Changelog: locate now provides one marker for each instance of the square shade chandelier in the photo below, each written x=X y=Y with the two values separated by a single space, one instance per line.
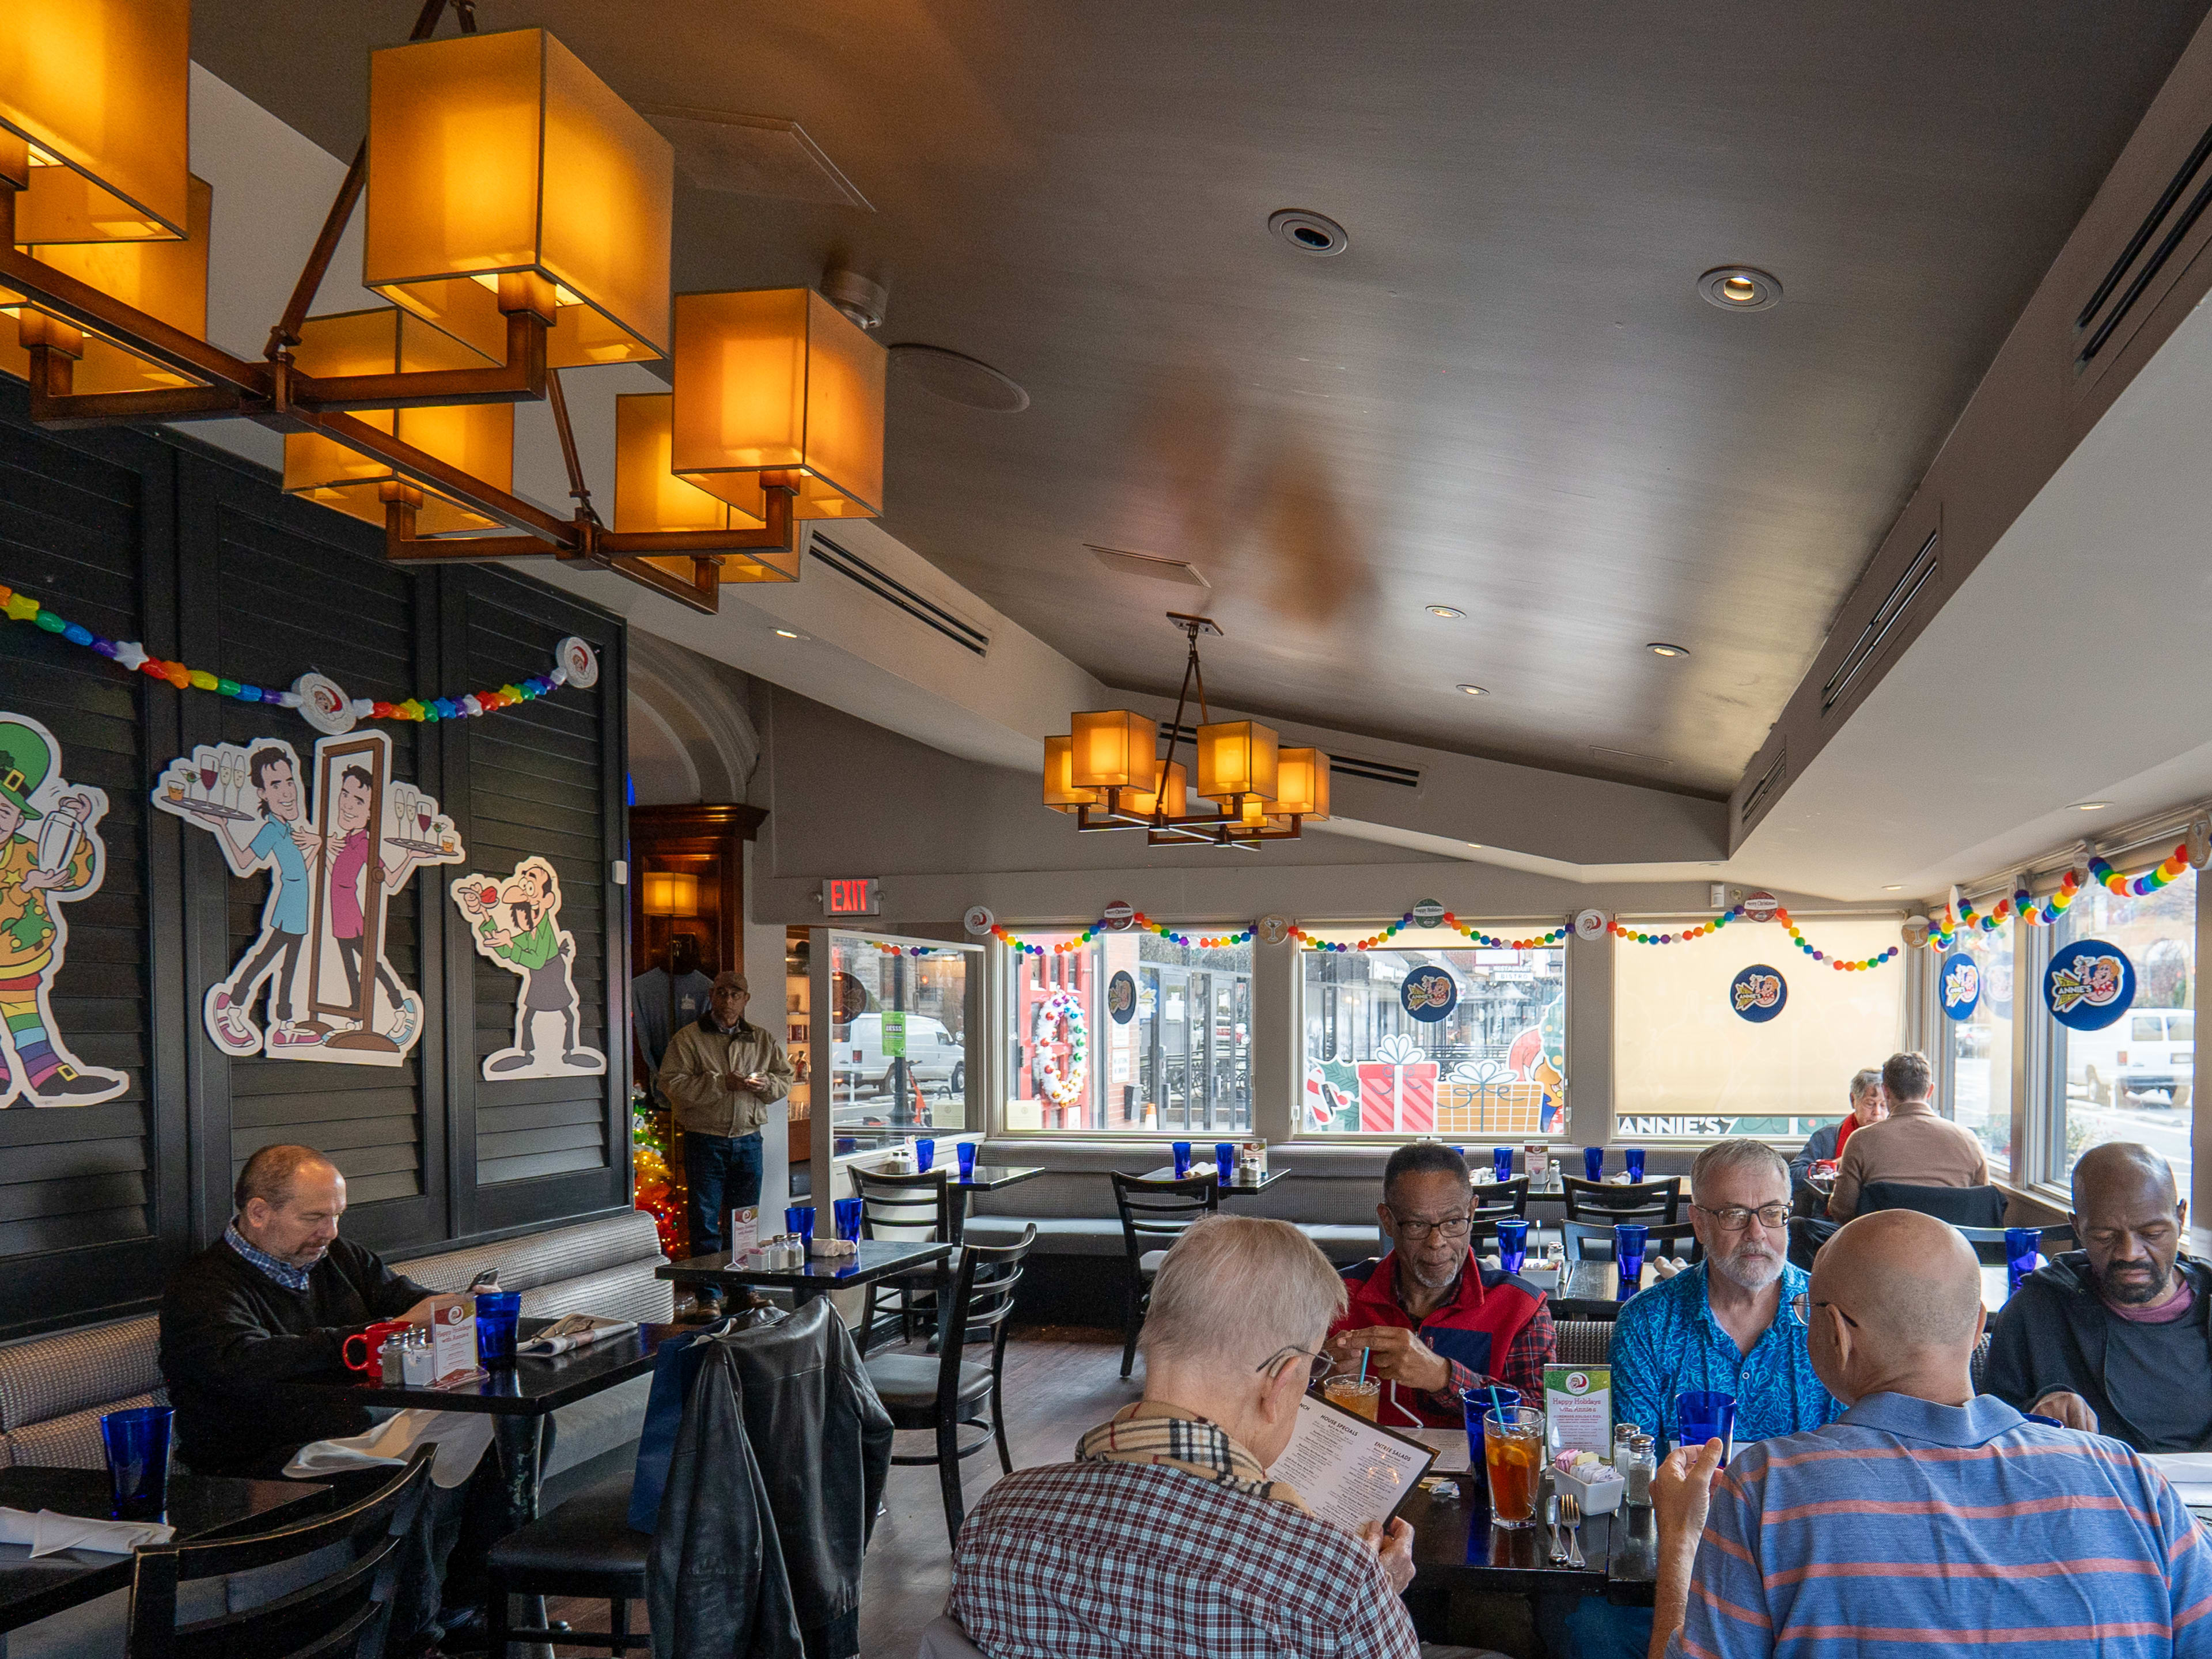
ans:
x=517 y=220
x=1106 y=772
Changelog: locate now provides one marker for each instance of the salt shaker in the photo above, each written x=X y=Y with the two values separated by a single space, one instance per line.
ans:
x=418 y=1364
x=1624 y=1435
x=390 y=1360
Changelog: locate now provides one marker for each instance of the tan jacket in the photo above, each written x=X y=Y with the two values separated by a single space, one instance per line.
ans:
x=1911 y=1145
x=699 y=1056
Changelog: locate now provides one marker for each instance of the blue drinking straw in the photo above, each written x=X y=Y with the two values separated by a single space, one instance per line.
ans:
x=1363 y=1352
x=1498 y=1407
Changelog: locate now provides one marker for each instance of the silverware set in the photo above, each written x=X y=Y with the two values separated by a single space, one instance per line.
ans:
x=1562 y=1510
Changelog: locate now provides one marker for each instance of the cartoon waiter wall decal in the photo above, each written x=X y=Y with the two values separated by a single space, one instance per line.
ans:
x=515 y=923
x=50 y=854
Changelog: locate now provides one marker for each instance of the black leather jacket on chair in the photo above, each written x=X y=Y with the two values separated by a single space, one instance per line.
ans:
x=773 y=1489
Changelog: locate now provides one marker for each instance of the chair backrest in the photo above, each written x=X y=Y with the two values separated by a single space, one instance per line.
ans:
x=1156 y=1213
x=1502 y=1198
x=340 y=1617
x=1581 y=1342
x=1657 y=1200
x=983 y=1308
x=1962 y=1206
x=1989 y=1242
x=913 y=1207
x=942 y=1638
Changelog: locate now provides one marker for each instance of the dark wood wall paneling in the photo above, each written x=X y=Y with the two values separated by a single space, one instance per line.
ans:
x=150 y=537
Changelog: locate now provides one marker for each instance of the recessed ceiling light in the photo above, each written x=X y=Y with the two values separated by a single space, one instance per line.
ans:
x=1309 y=232
x=1476 y=690
x=1740 y=287
x=1661 y=648
x=787 y=633
x=1476 y=845
x=1447 y=612
x=1897 y=889
x=2091 y=805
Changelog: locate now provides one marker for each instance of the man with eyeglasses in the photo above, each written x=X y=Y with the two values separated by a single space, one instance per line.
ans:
x=1431 y=1319
x=1725 y=1324
x=1927 y=1518
x=1167 y=1535
x=2113 y=1338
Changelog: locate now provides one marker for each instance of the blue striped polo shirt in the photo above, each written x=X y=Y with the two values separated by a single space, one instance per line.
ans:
x=1905 y=1526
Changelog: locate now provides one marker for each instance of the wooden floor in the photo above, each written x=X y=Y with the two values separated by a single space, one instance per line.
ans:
x=1059 y=1382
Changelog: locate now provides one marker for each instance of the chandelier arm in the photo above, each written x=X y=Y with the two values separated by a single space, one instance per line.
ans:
x=578 y=491
x=520 y=378
x=702 y=592
x=778 y=535
x=428 y=470
x=285 y=333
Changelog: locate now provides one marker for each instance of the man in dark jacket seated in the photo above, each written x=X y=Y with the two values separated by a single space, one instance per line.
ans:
x=2113 y=1338
x=274 y=1299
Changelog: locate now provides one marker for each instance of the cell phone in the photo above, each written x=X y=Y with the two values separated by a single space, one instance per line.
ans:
x=486 y=1280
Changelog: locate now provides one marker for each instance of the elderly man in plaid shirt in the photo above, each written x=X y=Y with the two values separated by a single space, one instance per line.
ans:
x=1165 y=1537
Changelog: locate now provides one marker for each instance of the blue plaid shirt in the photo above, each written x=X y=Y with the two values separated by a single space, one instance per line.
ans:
x=291 y=1278
x=1667 y=1340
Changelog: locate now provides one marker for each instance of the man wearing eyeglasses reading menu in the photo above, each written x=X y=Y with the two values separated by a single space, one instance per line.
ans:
x=1432 y=1319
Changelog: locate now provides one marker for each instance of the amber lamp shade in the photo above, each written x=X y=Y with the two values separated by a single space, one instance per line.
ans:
x=774 y=387
x=1237 y=758
x=1300 y=783
x=168 y=280
x=1172 y=792
x=1060 y=793
x=503 y=175
x=670 y=893
x=477 y=438
x=1115 y=749
x=93 y=119
x=649 y=498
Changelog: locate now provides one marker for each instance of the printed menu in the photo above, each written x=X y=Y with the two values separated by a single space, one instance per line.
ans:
x=1349 y=1470
x=1578 y=1408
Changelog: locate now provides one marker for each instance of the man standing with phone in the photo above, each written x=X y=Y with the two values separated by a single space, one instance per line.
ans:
x=721 y=1075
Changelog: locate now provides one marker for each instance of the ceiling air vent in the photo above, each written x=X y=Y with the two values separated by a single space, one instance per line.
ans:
x=1148 y=564
x=889 y=589
x=2148 y=252
x=1340 y=766
x=1763 y=792
x=1883 y=623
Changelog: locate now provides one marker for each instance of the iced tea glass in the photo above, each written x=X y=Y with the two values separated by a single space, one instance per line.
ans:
x=1513 y=1454
x=1361 y=1396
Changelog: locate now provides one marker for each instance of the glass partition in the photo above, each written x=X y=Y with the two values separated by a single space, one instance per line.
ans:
x=897 y=1064
x=1446 y=1038
x=1979 y=1048
x=1688 y=1067
x=1128 y=1034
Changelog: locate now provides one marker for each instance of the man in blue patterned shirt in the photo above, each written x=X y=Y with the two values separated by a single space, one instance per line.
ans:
x=1726 y=1325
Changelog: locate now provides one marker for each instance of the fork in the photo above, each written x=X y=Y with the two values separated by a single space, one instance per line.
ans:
x=1571 y=1516
x=1551 y=1519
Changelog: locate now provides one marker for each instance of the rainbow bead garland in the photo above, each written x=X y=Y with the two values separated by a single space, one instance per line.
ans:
x=2043 y=913
x=1841 y=965
x=908 y=950
x=131 y=655
x=1139 y=920
x=1488 y=941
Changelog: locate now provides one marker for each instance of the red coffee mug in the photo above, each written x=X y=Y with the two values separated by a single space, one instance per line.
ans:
x=372 y=1339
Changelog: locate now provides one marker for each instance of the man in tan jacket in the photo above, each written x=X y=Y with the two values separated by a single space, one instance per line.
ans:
x=721 y=1075
x=1911 y=1145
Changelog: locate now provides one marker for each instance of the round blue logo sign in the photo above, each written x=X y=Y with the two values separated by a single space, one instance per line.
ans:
x=2088 y=984
x=1961 y=985
x=1121 y=997
x=1428 y=994
x=1758 y=992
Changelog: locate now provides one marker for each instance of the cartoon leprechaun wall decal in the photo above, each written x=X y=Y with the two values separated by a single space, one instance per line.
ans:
x=50 y=854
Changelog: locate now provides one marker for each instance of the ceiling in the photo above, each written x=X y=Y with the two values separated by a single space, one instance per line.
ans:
x=1506 y=396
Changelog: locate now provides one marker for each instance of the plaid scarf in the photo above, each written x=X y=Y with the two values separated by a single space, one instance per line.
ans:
x=1170 y=1436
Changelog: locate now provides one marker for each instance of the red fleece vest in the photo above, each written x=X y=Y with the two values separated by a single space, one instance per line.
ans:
x=1476 y=1328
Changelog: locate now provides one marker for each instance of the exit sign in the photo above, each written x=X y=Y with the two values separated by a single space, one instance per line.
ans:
x=849 y=896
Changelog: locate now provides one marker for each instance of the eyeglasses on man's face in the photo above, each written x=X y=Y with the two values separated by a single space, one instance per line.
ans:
x=1802 y=1304
x=1318 y=1365
x=1734 y=1218
x=1414 y=1230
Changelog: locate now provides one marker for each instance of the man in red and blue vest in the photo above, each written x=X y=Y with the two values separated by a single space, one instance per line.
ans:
x=1433 y=1318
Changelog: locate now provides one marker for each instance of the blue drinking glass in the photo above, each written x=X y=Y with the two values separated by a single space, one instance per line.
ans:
x=497 y=1311
x=1628 y=1238
x=1474 y=1404
x=1593 y=1163
x=1224 y=1162
x=800 y=1218
x=1181 y=1149
x=967 y=1152
x=1702 y=1414
x=1501 y=1163
x=2022 y=1244
x=925 y=1154
x=138 y=1445
x=847 y=1213
x=1634 y=1159
x=1512 y=1244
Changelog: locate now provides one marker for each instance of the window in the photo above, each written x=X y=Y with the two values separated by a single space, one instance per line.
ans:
x=2134 y=1079
x=1129 y=1034
x=898 y=1050
x=1380 y=1060
x=1687 y=1067
x=1979 y=1048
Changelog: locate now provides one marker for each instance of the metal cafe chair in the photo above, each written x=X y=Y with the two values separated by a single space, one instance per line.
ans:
x=1497 y=1199
x=1657 y=1201
x=1154 y=1214
x=911 y=1208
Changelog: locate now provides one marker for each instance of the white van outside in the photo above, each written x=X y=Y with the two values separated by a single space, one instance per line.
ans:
x=2148 y=1057
x=932 y=1054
